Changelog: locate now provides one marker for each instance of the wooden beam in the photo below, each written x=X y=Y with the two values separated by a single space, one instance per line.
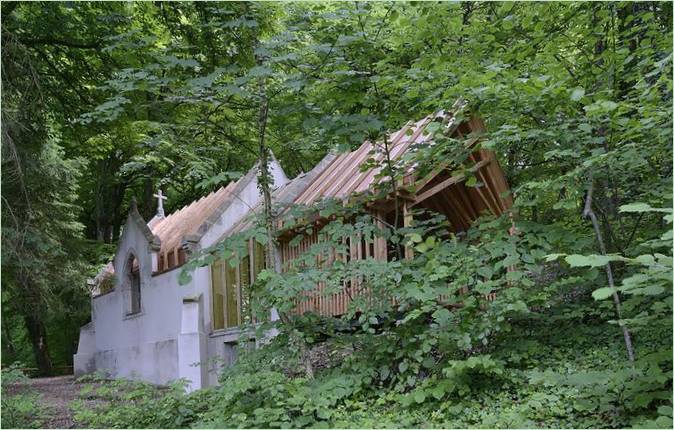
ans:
x=379 y=242
x=437 y=188
x=495 y=206
x=447 y=182
x=407 y=222
x=460 y=192
x=442 y=166
x=458 y=208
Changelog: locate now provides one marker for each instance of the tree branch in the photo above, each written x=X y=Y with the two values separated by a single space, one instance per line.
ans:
x=60 y=42
x=589 y=213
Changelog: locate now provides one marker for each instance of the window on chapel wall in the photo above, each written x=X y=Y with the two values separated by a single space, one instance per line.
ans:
x=230 y=288
x=218 y=295
x=133 y=285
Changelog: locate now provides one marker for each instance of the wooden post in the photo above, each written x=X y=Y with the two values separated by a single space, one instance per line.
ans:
x=407 y=222
x=379 y=242
x=238 y=292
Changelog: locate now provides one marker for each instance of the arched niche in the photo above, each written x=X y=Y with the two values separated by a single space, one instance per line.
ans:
x=132 y=283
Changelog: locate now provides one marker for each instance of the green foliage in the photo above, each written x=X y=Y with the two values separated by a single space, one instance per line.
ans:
x=123 y=403
x=21 y=406
x=119 y=98
x=549 y=371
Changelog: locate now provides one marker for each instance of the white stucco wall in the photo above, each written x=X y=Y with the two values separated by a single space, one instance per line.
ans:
x=146 y=345
x=142 y=345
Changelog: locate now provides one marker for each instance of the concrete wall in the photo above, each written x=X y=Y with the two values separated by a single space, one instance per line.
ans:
x=147 y=345
x=85 y=360
x=142 y=345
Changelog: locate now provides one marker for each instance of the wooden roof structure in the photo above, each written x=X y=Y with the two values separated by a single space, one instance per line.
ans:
x=188 y=223
x=283 y=196
x=441 y=188
x=192 y=221
x=358 y=172
x=344 y=177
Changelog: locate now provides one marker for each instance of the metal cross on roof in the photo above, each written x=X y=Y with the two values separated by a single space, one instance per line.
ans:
x=160 y=203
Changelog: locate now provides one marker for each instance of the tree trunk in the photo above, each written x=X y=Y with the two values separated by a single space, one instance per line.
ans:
x=8 y=342
x=147 y=210
x=37 y=333
x=589 y=213
x=265 y=184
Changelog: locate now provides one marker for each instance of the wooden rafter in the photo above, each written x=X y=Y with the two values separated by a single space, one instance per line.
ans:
x=447 y=183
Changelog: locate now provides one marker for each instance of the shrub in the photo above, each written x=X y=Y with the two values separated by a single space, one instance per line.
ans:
x=21 y=406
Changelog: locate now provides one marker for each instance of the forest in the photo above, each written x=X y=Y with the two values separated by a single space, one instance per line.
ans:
x=105 y=102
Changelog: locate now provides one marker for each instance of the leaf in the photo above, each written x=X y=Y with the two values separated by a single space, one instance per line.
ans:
x=602 y=293
x=608 y=105
x=664 y=422
x=642 y=207
x=665 y=410
x=416 y=238
x=577 y=94
x=653 y=290
x=553 y=257
x=185 y=277
x=576 y=260
x=585 y=127
x=419 y=396
x=442 y=316
x=402 y=367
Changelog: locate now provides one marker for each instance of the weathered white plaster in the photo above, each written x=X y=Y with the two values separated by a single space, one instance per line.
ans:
x=172 y=332
x=85 y=361
x=192 y=344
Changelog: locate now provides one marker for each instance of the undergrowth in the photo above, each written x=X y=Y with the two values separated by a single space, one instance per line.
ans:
x=553 y=369
x=21 y=406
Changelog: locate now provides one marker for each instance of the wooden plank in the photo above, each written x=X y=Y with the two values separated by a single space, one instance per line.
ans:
x=380 y=242
x=496 y=207
x=448 y=182
x=368 y=179
x=407 y=222
x=489 y=203
x=308 y=194
x=366 y=176
x=437 y=188
x=460 y=192
x=500 y=181
x=444 y=165
x=436 y=206
x=493 y=191
x=458 y=208
x=346 y=172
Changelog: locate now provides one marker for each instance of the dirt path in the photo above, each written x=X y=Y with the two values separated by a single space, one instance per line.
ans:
x=57 y=392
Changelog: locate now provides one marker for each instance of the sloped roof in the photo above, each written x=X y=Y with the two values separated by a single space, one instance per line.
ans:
x=186 y=221
x=344 y=176
x=191 y=221
x=283 y=196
